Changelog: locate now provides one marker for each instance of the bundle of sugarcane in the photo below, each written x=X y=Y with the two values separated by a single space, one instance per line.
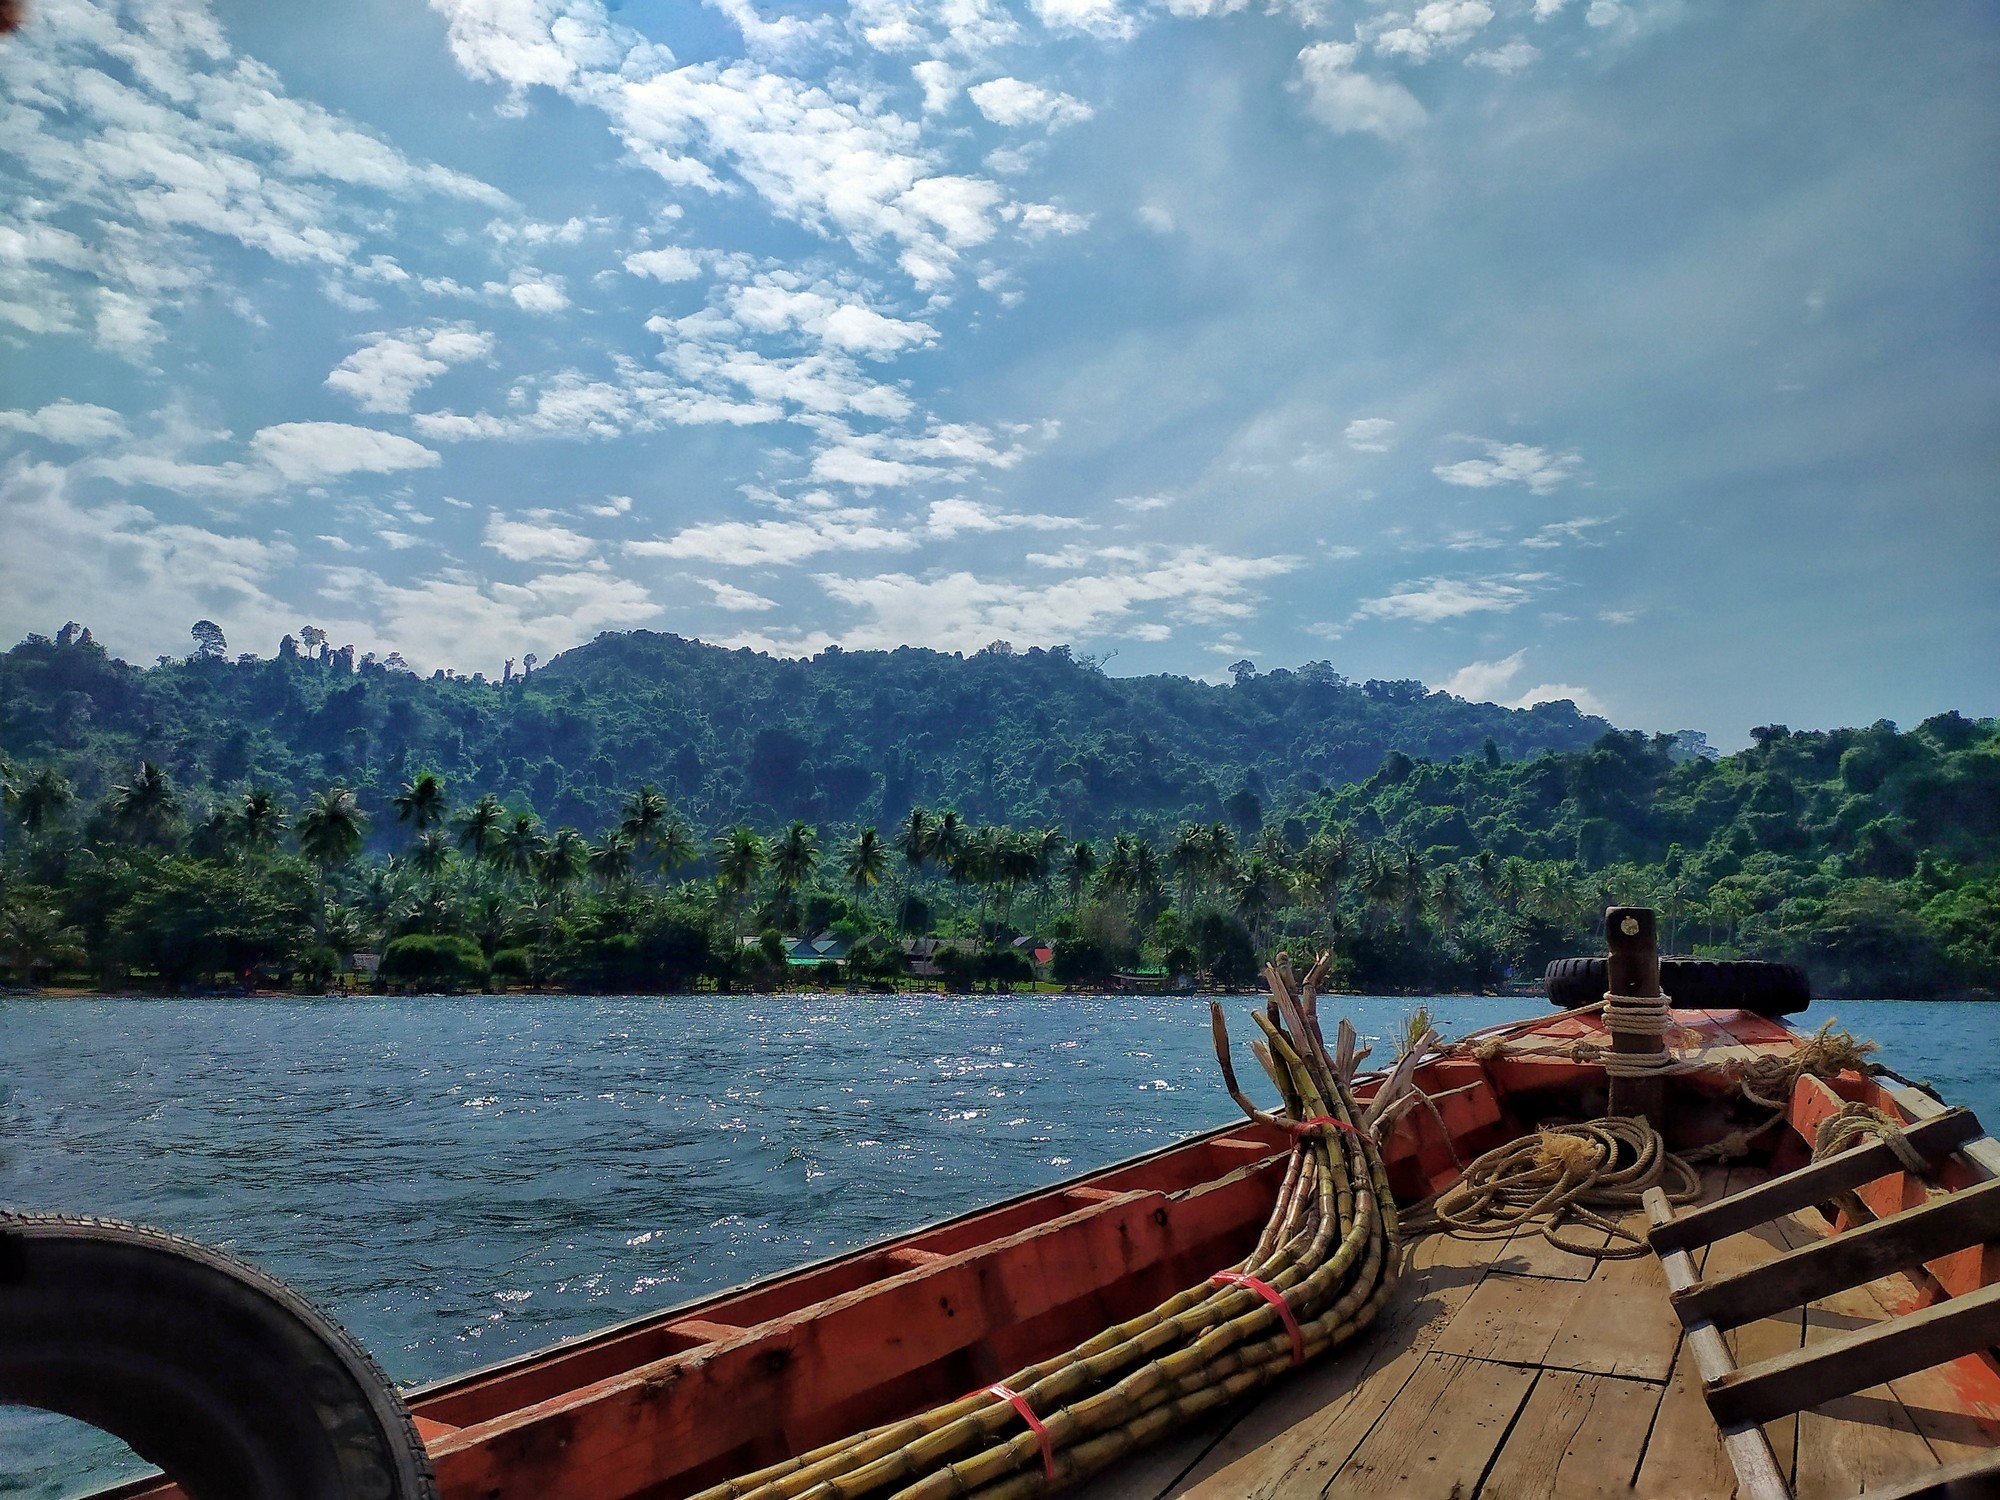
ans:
x=1322 y=1268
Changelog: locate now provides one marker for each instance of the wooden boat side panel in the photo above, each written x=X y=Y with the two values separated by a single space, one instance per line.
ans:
x=798 y=1381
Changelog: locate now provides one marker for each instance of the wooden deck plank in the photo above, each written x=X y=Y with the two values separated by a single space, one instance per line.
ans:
x=1289 y=1440
x=1440 y=1432
x=1684 y=1454
x=1578 y=1438
x=1622 y=1324
x=1510 y=1319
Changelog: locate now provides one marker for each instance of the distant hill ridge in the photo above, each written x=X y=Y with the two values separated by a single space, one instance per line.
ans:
x=846 y=737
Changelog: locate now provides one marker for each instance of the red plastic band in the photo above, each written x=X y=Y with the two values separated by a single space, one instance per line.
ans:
x=1303 y=1127
x=1276 y=1298
x=1020 y=1404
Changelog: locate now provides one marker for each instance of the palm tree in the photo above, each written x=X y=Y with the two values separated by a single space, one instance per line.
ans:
x=517 y=850
x=794 y=858
x=1187 y=857
x=1416 y=890
x=913 y=840
x=480 y=824
x=146 y=809
x=1448 y=897
x=1147 y=879
x=42 y=798
x=1257 y=886
x=611 y=861
x=34 y=935
x=863 y=861
x=1381 y=883
x=431 y=852
x=257 y=822
x=563 y=861
x=421 y=803
x=948 y=839
x=673 y=845
x=1077 y=866
x=739 y=860
x=330 y=828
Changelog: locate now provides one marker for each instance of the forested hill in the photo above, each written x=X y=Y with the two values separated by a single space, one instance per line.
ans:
x=846 y=737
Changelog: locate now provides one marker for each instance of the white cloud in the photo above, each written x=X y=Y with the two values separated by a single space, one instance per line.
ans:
x=949 y=518
x=1489 y=682
x=135 y=578
x=728 y=596
x=669 y=263
x=390 y=368
x=1512 y=58
x=306 y=452
x=1144 y=502
x=1155 y=217
x=532 y=291
x=1040 y=219
x=1100 y=18
x=1436 y=27
x=1429 y=600
x=528 y=541
x=784 y=38
x=940 y=82
x=751 y=544
x=1347 y=102
x=148 y=125
x=1106 y=591
x=1484 y=681
x=1511 y=463
x=454 y=618
x=1371 y=434
x=71 y=423
x=1013 y=103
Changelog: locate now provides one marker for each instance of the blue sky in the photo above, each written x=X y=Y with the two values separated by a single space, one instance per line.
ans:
x=1641 y=352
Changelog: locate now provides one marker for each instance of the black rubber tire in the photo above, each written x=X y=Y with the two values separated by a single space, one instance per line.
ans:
x=224 y=1377
x=1694 y=983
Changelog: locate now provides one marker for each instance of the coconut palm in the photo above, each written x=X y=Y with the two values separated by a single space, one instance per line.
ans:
x=948 y=840
x=1256 y=891
x=674 y=846
x=430 y=852
x=1448 y=897
x=863 y=861
x=1076 y=868
x=34 y=936
x=479 y=825
x=794 y=857
x=257 y=822
x=40 y=798
x=331 y=827
x=563 y=861
x=1416 y=889
x=146 y=810
x=517 y=849
x=740 y=857
x=421 y=803
x=1381 y=883
x=611 y=862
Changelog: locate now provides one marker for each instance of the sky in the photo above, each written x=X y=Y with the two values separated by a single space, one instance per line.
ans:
x=1643 y=353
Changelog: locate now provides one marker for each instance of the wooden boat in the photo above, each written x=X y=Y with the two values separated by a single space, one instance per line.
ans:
x=1810 y=1328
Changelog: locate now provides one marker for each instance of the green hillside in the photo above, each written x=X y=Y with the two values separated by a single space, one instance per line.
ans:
x=732 y=736
x=650 y=813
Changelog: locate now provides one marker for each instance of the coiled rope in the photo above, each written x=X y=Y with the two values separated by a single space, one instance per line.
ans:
x=1561 y=1177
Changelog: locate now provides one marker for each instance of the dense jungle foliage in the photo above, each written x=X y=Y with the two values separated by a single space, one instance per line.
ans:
x=212 y=821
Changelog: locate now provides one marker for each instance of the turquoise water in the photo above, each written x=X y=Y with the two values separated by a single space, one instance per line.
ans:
x=459 y=1180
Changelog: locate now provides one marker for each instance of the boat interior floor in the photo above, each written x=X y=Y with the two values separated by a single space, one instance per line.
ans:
x=1519 y=1371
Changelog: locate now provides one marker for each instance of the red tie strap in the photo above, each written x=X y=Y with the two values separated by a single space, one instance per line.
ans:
x=1020 y=1404
x=1276 y=1298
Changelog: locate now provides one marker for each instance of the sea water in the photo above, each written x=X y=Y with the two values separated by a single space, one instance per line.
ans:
x=461 y=1180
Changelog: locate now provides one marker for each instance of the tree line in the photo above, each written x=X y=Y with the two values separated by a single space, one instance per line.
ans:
x=1866 y=855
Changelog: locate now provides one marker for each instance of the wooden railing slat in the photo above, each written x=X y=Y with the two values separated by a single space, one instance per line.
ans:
x=1932 y=1138
x=1868 y=1356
